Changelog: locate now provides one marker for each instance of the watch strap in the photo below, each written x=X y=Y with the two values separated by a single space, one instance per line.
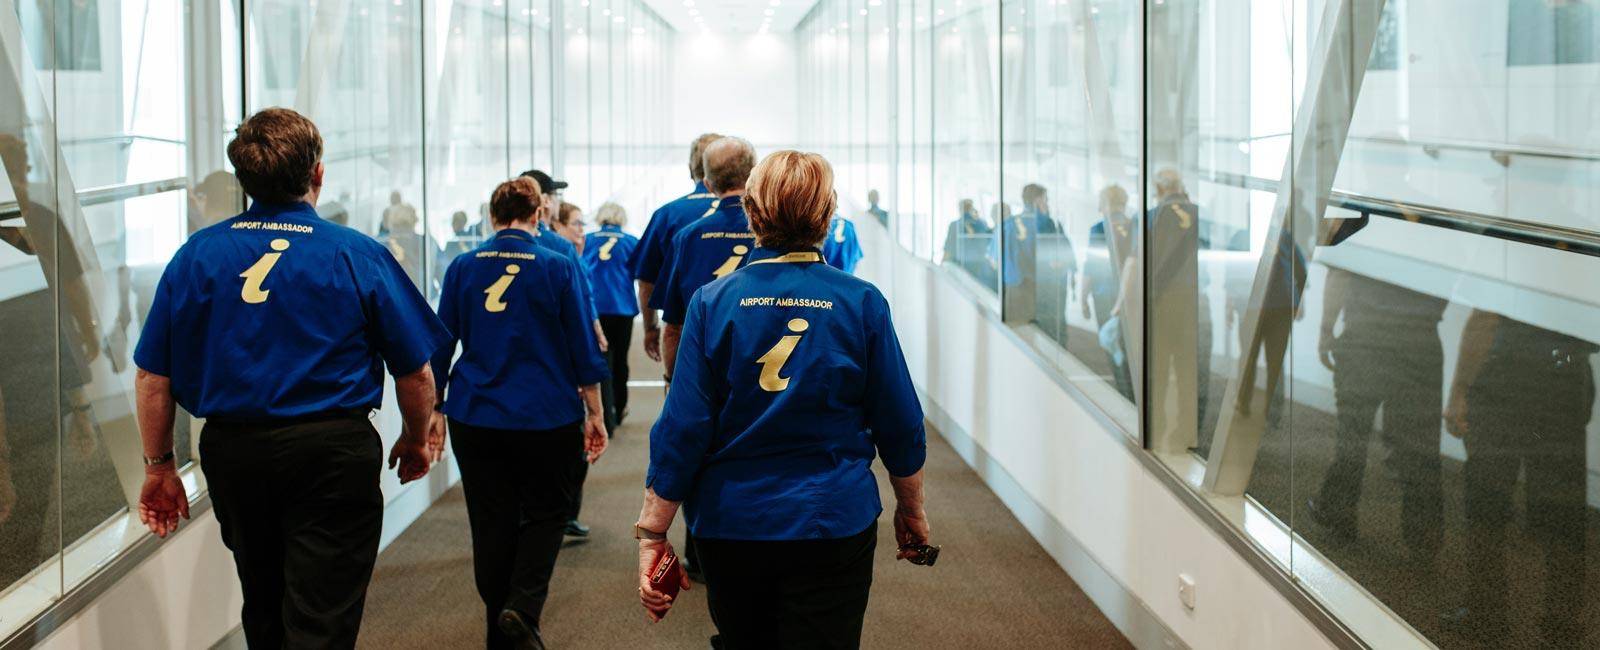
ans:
x=157 y=460
x=640 y=532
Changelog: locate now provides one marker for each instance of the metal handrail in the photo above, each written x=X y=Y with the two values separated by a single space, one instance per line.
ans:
x=109 y=194
x=1561 y=238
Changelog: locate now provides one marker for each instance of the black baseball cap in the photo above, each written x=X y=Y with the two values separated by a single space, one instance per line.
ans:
x=547 y=185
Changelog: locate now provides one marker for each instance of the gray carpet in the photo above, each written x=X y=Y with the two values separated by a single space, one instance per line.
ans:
x=994 y=587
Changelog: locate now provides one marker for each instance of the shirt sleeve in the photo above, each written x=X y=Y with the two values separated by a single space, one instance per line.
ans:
x=450 y=316
x=154 y=352
x=646 y=265
x=682 y=435
x=669 y=294
x=578 y=328
x=400 y=323
x=893 y=412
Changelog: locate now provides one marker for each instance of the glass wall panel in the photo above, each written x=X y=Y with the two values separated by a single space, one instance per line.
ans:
x=114 y=118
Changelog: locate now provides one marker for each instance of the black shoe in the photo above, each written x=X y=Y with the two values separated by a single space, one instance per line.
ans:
x=523 y=636
x=1341 y=528
x=575 y=529
x=716 y=642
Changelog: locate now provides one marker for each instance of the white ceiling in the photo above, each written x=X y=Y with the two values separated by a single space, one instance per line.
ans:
x=737 y=16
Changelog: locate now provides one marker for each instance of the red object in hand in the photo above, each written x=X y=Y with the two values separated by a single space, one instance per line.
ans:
x=667 y=577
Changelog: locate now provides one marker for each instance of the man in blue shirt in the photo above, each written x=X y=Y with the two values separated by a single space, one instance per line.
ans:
x=711 y=247
x=608 y=264
x=658 y=234
x=841 y=249
x=275 y=326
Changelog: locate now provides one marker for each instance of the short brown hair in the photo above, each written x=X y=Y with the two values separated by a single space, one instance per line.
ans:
x=515 y=200
x=567 y=213
x=791 y=199
x=275 y=155
x=728 y=164
x=697 y=151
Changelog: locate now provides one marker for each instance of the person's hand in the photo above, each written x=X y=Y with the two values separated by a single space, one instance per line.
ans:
x=1455 y=414
x=163 y=499
x=1325 y=349
x=436 y=435
x=655 y=603
x=652 y=343
x=910 y=527
x=90 y=337
x=600 y=337
x=410 y=453
x=81 y=434
x=595 y=439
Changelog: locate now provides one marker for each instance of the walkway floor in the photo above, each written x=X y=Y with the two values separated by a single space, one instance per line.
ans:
x=994 y=587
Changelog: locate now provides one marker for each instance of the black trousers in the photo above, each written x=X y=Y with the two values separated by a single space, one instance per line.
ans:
x=1528 y=416
x=790 y=594
x=299 y=506
x=1365 y=377
x=519 y=489
x=619 y=333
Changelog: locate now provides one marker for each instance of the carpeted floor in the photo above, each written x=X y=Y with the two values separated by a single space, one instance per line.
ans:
x=994 y=587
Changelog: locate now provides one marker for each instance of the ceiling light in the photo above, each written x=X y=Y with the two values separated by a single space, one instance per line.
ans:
x=605 y=12
x=688 y=3
x=619 y=19
x=863 y=12
x=767 y=12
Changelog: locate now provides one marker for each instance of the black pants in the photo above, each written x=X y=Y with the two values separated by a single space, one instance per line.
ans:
x=519 y=490
x=619 y=333
x=791 y=594
x=1365 y=377
x=1529 y=416
x=300 y=508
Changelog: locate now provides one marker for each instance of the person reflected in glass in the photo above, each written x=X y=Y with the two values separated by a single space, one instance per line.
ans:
x=215 y=198
x=275 y=326
x=1180 y=303
x=1521 y=400
x=875 y=211
x=43 y=372
x=789 y=371
x=463 y=238
x=1110 y=249
x=841 y=249
x=397 y=210
x=336 y=211
x=1387 y=357
x=608 y=261
x=965 y=238
x=404 y=241
x=522 y=400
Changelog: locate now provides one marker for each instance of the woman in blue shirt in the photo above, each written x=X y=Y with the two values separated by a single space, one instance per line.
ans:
x=523 y=399
x=608 y=258
x=789 y=381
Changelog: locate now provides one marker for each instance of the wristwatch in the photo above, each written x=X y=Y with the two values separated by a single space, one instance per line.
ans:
x=640 y=532
x=157 y=460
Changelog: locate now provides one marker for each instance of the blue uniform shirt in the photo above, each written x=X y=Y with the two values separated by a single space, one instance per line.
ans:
x=705 y=250
x=789 y=379
x=648 y=263
x=550 y=239
x=277 y=313
x=607 y=261
x=841 y=249
x=1020 y=231
x=526 y=346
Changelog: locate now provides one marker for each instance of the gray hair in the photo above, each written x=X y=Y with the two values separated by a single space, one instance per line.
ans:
x=611 y=214
x=728 y=163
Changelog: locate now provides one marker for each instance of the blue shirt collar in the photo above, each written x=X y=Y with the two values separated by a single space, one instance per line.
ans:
x=700 y=187
x=611 y=227
x=763 y=252
x=729 y=201
x=513 y=233
x=264 y=209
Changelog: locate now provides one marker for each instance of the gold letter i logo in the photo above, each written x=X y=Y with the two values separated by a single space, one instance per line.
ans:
x=772 y=362
x=252 y=293
x=733 y=262
x=497 y=290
